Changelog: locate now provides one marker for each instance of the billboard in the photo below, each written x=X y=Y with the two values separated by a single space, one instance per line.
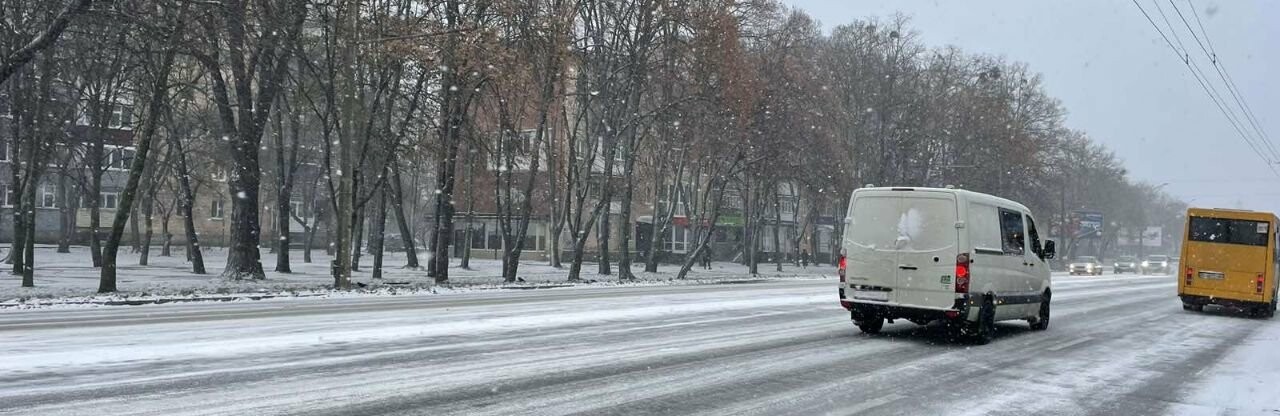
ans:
x=1086 y=224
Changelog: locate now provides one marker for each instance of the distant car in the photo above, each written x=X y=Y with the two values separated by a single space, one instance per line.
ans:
x=1156 y=264
x=1126 y=264
x=1085 y=265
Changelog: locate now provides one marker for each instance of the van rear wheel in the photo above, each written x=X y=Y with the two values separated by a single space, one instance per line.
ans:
x=1041 y=321
x=871 y=325
x=983 y=331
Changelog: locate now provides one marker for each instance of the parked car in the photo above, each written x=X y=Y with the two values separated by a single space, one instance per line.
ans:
x=1126 y=264
x=1085 y=265
x=1156 y=264
x=927 y=254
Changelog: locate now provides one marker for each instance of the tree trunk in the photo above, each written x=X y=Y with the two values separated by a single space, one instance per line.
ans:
x=243 y=259
x=575 y=263
x=29 y=254
x=95 y=206
x=156 y=107
x=166 y=246
x=186 y=200
x=284 y=193
x=14 y=257
x=602 y=242
x=402 y=221
x=469 y=232
x=147 y=210
x=624 y=253
x=377 y=233
x=346 y=28
x=703 y=237
x=777 y=229
x=357 y=236
x=135 y=233
x=311 y=239
x=66 y=213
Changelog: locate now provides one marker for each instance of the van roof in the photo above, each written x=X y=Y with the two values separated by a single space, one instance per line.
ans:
x=969 y=195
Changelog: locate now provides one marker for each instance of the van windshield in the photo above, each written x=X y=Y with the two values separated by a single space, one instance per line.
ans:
x=903 y=224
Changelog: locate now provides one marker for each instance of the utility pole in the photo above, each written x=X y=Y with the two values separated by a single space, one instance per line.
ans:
x=348 y=16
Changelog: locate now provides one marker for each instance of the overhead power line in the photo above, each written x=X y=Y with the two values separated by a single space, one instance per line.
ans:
x=1225 y=76
x=1260 y=148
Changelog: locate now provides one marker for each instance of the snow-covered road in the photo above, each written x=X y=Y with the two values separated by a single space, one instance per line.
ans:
x=1118 y=345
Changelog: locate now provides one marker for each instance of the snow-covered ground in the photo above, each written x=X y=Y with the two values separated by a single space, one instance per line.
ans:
x=69 y=278
x=1245 y=381
x=1117 y=345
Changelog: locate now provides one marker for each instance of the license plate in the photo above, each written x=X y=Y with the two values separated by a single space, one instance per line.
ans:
x=1212 y=275
x=874 y=295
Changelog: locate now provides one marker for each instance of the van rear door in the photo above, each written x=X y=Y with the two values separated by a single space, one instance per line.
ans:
x=872 y=263
x=903 y=244
x=927 y=244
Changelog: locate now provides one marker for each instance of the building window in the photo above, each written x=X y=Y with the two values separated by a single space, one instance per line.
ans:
x=788 y=206
x=121 y=117
x=677 y=241
x=4 y=150
x=295 y=209
x=108 y=200
x=215 y=211
x=120 y=158
x=48 y=197
x=8 y=197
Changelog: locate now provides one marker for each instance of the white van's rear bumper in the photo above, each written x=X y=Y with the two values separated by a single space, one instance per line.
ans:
x=890 y=310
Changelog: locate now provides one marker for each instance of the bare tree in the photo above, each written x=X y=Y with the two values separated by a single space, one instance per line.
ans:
x=256 y=35
x=15 y=56
x=156 y=73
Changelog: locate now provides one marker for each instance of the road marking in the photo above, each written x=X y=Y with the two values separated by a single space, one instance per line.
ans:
x=868 y=405
x=1066 y=345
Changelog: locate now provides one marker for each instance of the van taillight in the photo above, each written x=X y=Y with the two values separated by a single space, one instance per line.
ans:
x=1190 y=272
x=962 y=273
x=1261 y=279
x=842 y=263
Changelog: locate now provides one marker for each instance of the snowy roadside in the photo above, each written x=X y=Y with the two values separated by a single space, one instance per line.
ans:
x=67 y=280
x=1244 y=382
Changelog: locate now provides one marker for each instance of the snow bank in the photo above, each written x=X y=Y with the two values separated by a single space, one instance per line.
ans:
x=68 y=280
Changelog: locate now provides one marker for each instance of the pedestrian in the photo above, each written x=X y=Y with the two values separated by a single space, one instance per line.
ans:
x=804 y=258
x=706 y=258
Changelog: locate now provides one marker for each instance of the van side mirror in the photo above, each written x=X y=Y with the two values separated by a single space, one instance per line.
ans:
x=1050 y=249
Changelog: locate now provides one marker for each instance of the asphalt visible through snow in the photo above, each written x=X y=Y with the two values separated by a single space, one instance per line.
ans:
x=1116 y=345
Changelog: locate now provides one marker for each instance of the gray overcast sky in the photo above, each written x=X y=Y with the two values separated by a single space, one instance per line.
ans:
x=1121 y=83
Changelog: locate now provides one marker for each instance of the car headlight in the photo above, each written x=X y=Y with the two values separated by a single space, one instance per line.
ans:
x=1145 y=264
x=1117 y=265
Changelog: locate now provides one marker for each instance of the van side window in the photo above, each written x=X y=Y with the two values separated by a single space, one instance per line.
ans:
x=1011 y=232
x=1035 y=238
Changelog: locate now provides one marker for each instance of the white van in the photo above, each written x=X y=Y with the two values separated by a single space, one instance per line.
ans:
x=926 y=254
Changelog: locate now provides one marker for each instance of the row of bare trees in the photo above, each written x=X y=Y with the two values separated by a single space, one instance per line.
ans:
x=576 y=113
